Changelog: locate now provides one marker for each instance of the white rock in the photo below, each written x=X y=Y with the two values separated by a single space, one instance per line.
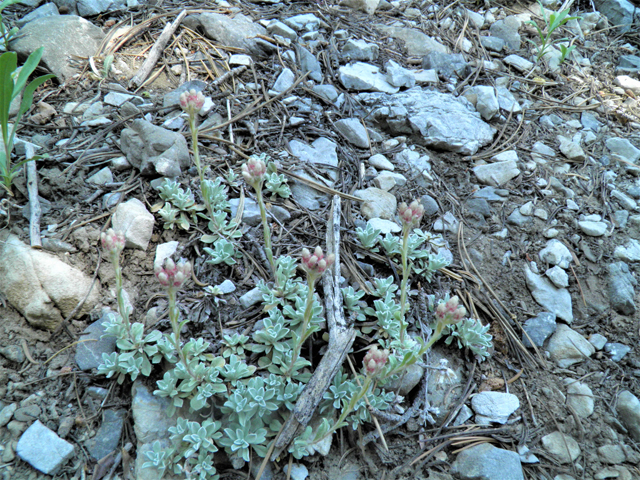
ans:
x=364 y=77
x=593 y=229
x=494 y=407
x=570 y=149
x=377 y=203
x=628 y=253
x=353 y=131
x=43 y=449
x=136 y=223
x=101 y=177
x=164 y=251
x=519 y=63
x=558 y=277
x=564 y=448
x=556 y=253
x=381 y=162
x=579 y=397
x=385 y=226
x=568 y=347
x=628 y=408
x=496 y=174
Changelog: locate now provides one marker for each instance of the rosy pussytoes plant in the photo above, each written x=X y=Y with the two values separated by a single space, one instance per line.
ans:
x=173 y=276
x=191 y=102
x=113 y=244
x=253 y=172
x=314 y=264
x=374 y=361
x=447 y=313
x=410 y=216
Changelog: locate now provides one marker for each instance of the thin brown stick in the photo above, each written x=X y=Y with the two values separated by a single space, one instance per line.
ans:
x=156 y=51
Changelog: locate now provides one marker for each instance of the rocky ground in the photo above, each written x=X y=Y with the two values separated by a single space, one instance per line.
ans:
x=528 y=172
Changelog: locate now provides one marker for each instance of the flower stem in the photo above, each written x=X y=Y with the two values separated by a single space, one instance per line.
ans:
x=405 y=281
x=265 y=226
x=123 y=309
x=174 y=318
x=306 y=319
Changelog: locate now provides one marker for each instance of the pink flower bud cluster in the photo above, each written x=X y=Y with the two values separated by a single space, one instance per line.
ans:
x=171 y=274
x=253 y=171
x=411 y=214
x=112 y=241
x=375 y=360
x=191 y=101
x=450 y=312
x=316 y=263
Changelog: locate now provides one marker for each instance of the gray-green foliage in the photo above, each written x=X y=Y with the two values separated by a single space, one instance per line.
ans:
x=180 y=206
x=471 y=334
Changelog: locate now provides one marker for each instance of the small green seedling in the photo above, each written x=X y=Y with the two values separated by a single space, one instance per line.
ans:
x=555 y=20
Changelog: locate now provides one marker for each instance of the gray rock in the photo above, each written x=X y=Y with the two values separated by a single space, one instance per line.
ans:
x=276 y=27
x=101 y=177
x=27 y=414
x=484 y=99
x=328 y=92
x=430 y=205
x=558 y=277
x=43 y=449
x=237 y=31
x=136 y=223
x=63 y=37
x=381 y=162
x=399 y=76
x=364 y=77
x=426 y=76
x=556 y=300
x=519 y=63
x=597 y=340
x=625 y=201
x=406 y=381
x=46 y=10
x=556 y=253
x=568 y=347
x=618 y=12
x=539 y=328
x=305 y=21
x=7 y=413
x=43 y=288
x=435 y=119
x=589 y=121
x=497 y=174
x=620 y=286
x=494 y=407
x=250 y=298
x=353 y=131
x=298 y=471
x=494 y=44
x=13 y=353
x=448 y=223
x=628 y=408
x=88 y=8
x=107 y=437
x=388 y=180
x=491 y=194
x=417 y=43
x=516 y=218
x=377 y=203
x=479 y=206
x=617 y=351
x=486 y=462
x=385 y=226
x=284 y=81
x=562 y=447
x=360 y=50
x=624 y=148
x=251 y=213
x=322 y=150
x=593 y=229
x=571 y=149
x=507 y=30
x=507 y=101
x=309 y=63
x=579 y=397
x=154 y=150
x=446 y=64
x=611 y=454
x=95 y=343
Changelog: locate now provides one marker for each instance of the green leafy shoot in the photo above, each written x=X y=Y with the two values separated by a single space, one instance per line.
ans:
x=552 y=23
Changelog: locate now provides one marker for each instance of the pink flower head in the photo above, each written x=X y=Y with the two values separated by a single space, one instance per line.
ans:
x=253 y=171
x=171 y=274
x=316 y=263
x=411 y=214
x=191 y=101
x=450 y=312
x=112 y=242
x=375 y=360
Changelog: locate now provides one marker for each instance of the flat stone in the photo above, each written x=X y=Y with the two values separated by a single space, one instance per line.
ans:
x=616 y=351
x=278 y=28
x=381 y=162
x=519 y=63
x=579 y=397
x=494 y=407
x=353 y=131
x=628 y=83
x=46 y=10
x=377 y=203
x=593 y=229
x=558 y=277
x=498 y=173
x=629 y=252
x=398 y=76
x=309 y=63
x=101 y=177
x=624 y=148
x=251 y=298
x=13 y=353
x=571 y=149
x=107 y=437
x=563 y=447
x=7 y=413
x=567 y=347
x=364 y=77
x=620 y=287
x=628 y=408
x=539 y=328
x=435 y=119
x=597 y=340
x=507 y=30
x=556 y=300
x=493 y=44
x=95 y=343
x=486 y=462
x=284 y=81
x=304 y=21
x=446 y=64
x=416 y=43
x=136 y=223
x=385 y=226
x=63 y=38
x=360 y=50
x=611 y=454
x=43 y=449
